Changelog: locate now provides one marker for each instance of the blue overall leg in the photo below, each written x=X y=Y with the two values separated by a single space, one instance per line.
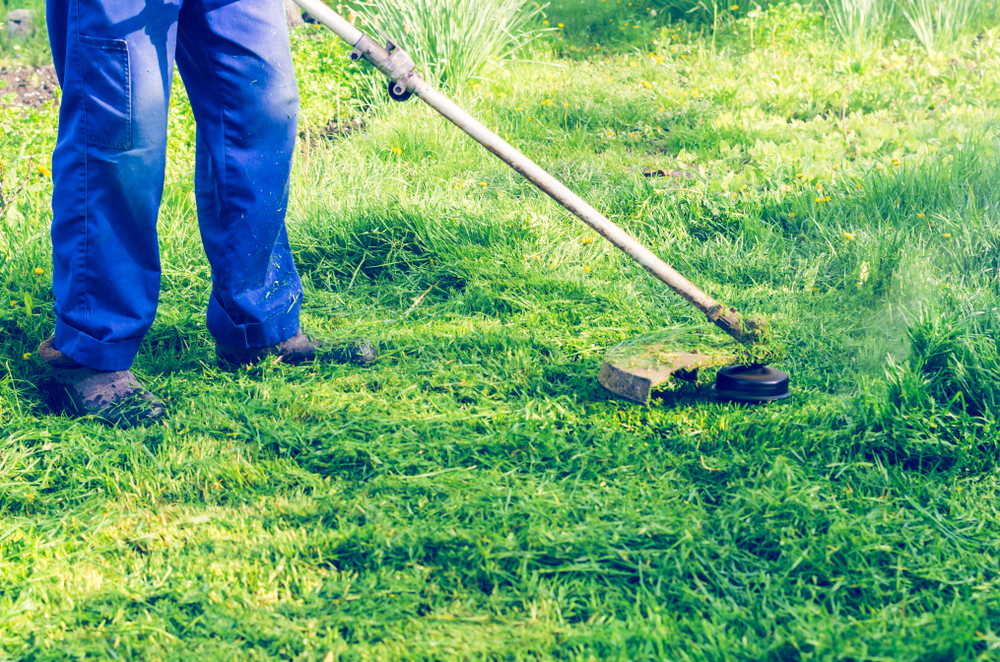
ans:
x=115 y=60
x=237 y=68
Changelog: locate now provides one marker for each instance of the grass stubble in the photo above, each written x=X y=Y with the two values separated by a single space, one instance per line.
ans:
x=475 y=494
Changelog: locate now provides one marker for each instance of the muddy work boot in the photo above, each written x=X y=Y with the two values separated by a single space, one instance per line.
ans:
x=114 y=397
x=297 y=349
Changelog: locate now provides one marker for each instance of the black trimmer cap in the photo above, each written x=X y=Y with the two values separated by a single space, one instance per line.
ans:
x=751 y=383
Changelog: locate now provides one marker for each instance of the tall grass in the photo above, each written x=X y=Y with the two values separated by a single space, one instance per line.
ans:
x=861 y=24
x=453 y=40
x=938 y=23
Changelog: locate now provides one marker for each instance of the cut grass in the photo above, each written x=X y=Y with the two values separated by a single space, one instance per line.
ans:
x=476 y=494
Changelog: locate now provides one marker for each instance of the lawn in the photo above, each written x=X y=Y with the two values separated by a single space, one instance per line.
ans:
x=476 y=494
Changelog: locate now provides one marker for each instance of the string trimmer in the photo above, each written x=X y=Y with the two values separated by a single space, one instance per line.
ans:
x=631 y=370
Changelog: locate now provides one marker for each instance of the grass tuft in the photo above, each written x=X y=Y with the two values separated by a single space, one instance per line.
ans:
x=454 y=40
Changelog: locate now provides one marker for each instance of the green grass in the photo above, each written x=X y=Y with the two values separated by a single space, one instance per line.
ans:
x=476 y=494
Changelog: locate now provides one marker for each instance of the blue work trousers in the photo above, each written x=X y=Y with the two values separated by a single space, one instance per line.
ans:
x=115 y=62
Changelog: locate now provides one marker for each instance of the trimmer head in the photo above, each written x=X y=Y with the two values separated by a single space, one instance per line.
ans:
x=636 y=368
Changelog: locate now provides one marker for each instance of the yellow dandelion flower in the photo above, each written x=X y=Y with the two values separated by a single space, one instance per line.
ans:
x=560 y=26
x=482 y=183
x=545 y=22
x=792 y=214
x=45 y=172
x=586 y=269
x=647 y=85
x=26 y=356
x=587 y=240
x=396 y=150
x=39 y=271
x=848 y=236
x=826 y=199
x=947 y=235
x=735 y=7
x=920 y=215
x=475 y=87
x=13 y=304
x=503 y=95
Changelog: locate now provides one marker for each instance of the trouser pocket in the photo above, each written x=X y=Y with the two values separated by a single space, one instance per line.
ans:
x=107 y=91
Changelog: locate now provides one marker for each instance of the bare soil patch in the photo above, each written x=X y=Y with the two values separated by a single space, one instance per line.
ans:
x=32 y=87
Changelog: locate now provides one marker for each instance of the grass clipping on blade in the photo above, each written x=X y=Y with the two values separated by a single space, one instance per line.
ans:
x=762 y=352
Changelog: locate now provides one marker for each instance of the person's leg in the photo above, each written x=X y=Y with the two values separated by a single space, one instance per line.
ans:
x=114 y=60
x=235 y=61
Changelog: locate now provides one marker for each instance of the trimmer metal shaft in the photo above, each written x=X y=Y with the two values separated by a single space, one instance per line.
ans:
x=404 y=81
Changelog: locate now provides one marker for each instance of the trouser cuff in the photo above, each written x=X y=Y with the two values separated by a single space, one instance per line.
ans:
x=93 y=353
x=259 y=334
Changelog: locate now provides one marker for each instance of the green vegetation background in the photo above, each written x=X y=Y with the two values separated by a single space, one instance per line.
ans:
x=476 y=494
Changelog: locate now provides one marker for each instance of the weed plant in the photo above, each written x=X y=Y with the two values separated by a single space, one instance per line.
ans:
x=453 y=40
x=476 y=494
x=940 y=23
x=861 y=24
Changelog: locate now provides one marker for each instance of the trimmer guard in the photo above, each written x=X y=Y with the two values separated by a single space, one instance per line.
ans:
x=633 y=371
